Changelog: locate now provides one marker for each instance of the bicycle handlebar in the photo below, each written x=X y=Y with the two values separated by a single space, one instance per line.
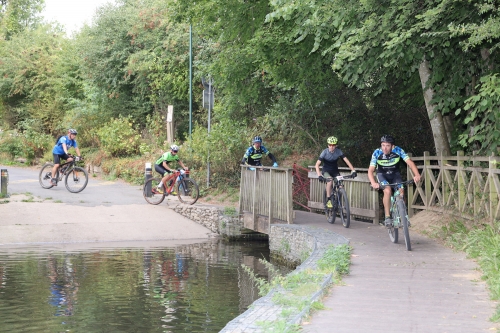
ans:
x=339 y=178
x=395 y=184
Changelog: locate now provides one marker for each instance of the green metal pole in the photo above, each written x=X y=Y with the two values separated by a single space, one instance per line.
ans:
x=190 y=80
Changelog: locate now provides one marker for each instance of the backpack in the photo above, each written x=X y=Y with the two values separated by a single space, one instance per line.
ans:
x=59 y=138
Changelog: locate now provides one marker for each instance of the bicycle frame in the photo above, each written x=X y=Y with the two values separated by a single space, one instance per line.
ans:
x=339 y=200
x=177 y=175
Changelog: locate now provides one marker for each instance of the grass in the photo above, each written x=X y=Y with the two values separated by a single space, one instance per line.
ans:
x=481 y=243
x=293 y=291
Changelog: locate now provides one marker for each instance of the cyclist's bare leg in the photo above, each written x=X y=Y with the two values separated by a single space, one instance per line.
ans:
x=54 y=170
x=329 y=188
x=387 y=200
x=166 y=178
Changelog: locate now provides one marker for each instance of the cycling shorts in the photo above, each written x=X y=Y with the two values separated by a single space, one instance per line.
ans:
x=161 y=170
x=59 y=157
x=391 y=178
x=327 y=175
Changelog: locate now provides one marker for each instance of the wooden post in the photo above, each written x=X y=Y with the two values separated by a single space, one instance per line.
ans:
x=462 y=193
x=254 y=214
x=492 y=178
x=410 y=191
x=289 y=206
x=241 y=191
x=444 y=186
x=427 y=180
x=476 y=200
x=170 y=120
x=270 y=198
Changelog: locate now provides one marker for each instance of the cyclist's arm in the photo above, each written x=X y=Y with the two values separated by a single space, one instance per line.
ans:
x=414 y=169
x=65 y=148
x=371 y=177
x=182 y=165
x=348 y=163
x=318 y=163
x=271 y=156
x=165 y=165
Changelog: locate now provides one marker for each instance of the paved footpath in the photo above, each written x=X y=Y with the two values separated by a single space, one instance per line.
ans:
x=429 y=289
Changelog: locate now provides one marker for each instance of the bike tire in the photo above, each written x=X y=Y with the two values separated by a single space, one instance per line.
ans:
x=76 y=180
x=329 y=212
x=45 y=176
x=188 y=191
x=343 y=208
x=404 y=221
x=153 y=197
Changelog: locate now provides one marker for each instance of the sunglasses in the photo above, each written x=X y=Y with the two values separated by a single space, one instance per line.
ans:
x=330 y=145
x=174 y=151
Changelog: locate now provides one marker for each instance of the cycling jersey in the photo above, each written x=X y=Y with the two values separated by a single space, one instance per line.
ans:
x=329 y=160
x=58 y=148
x=167 y=157
x=388 y=164
x=253 y=156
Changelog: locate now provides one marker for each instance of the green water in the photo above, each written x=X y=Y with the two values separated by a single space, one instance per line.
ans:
x=188 y=288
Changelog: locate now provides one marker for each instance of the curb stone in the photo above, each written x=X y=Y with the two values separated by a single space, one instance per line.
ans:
x=265 y=309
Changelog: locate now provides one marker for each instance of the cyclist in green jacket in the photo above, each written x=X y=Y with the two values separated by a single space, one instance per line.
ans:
x=163 y=168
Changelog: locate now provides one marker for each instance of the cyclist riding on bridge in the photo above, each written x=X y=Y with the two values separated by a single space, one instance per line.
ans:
x=386 y=160
x=254 y=154
x=329 y=157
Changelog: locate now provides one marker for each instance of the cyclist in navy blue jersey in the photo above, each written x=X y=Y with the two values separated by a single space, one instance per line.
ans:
x=329 y=158
x=386 y=161
x=60 y=151
x=254 y=153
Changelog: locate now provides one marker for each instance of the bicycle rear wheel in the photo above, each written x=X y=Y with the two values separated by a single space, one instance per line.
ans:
x=404 y=221
x=393 y=232
x=76 y=180
x=152 y=196
x=188 y=191
x=344 y=211
x=45 y=175
x=329 y=212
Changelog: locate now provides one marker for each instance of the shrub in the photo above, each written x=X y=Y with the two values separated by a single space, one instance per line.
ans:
x=119 y=138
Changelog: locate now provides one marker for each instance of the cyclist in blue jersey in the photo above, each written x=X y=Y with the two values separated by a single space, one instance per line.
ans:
x=163 y=168
x=60 y=151
x=254 y=154
x=329 y=157
x=386 y=161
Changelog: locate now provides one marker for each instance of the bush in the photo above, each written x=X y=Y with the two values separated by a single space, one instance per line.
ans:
x=12 y=144
x=118 y=138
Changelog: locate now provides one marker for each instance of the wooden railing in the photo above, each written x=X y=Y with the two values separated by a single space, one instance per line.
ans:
x=266 y=197
x=465 y=185
x=363 y=202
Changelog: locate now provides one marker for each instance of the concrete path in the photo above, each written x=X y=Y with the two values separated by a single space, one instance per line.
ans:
x=105 y=211
x=430 y=289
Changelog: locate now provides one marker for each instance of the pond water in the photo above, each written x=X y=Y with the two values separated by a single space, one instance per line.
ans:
x=187 y=288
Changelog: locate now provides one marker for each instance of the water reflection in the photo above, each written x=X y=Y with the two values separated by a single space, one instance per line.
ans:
x=192 y=288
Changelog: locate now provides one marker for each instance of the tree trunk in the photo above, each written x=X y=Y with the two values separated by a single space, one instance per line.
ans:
x=436 y=118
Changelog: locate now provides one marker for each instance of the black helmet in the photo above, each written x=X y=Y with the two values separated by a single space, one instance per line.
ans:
x=388 y=138
x=257 y=139
x=72 y=131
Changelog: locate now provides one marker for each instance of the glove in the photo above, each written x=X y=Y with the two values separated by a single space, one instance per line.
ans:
x=78 y=158
x=322 y=179
x=354 y=174
x=275 y=165
x=251 y=169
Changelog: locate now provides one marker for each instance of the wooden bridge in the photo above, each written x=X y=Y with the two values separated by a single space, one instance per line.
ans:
x=467 y=186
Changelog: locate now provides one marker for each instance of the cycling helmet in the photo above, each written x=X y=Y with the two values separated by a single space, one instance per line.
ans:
x=174 y=148
x=387 y=138
x=332 y=140
x=72 y=131
x=257 y=139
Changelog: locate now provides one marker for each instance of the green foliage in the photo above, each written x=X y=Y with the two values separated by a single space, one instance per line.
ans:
x=336 y=258
x=119 y=138
x=12 y=144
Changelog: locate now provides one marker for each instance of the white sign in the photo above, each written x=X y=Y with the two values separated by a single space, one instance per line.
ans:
x=170 y=113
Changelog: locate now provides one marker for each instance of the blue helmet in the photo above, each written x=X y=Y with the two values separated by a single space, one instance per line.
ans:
x=257 y=139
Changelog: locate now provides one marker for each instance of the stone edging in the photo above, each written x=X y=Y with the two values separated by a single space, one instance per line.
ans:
x=299 y=239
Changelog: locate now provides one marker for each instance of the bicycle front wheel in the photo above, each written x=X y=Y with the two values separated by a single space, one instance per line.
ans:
x=344 y=211
x=76 y=180
x=188 y=191
x=150 y=192
x=404 y=221
x=329 y=212
x=45 y=175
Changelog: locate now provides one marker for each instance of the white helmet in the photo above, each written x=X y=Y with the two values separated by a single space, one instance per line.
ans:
x=174 y=147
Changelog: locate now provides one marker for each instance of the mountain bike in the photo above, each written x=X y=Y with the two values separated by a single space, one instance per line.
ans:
x=76 y=177
x=399 y=214
x=186 y=188
x=339 y=200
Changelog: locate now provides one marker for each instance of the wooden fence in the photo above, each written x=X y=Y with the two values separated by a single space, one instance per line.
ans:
x=466 y=185
x=266 y=197
x=363 y=202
